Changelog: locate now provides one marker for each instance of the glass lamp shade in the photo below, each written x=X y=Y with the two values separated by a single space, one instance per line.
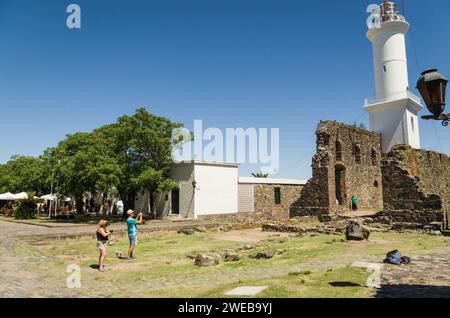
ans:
x=432 y=86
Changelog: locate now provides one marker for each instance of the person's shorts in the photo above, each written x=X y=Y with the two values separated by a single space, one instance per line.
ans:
x=101 y=245
x=133 y=240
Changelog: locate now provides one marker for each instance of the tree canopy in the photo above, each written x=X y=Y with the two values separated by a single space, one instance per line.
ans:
x=132 y=154
x=24 y=174
x=81 y=164
x=142 y=146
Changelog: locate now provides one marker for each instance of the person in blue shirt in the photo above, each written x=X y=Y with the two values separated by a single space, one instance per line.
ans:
x=132 y=231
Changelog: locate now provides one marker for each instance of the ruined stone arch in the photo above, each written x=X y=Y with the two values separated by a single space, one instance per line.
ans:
x=340 y=184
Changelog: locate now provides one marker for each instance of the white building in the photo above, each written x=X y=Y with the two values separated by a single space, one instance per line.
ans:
x=215 y=189
x=204 y=188
x=393 y=112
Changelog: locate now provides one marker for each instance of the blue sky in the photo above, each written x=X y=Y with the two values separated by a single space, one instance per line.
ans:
x=232 y=63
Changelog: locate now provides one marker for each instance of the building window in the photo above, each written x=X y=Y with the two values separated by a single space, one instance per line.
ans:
x=338 y=151
x=357 y=153
x=384 y=68
x=374 y=157
x=412 y=124
x=375 y=184
x=277 y=195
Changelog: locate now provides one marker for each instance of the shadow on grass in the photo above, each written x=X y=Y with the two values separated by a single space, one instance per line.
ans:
x=413 y=291
x=344 y=284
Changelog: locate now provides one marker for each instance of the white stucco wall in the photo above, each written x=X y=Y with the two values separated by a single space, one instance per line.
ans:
x=397 y=122
x=411 y=121
x=216 y=190
x=183 y=175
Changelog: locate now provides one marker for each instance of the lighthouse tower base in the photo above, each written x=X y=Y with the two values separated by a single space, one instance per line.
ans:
x=396 y=120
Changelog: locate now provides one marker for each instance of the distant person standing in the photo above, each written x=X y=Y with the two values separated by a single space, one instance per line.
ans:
x=102 y=243
x=354 y=203
x=132 y=231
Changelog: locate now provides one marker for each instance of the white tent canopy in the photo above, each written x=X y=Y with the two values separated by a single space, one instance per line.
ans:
x=54 y=197
x=49 y=197
x=7 y=196
x=20 y=196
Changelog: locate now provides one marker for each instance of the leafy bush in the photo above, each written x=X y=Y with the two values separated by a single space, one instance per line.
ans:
x=26 y=209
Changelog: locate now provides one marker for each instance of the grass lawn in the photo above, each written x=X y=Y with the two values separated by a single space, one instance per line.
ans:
x=311 y=266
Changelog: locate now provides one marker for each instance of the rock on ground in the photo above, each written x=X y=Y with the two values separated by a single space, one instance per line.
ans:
x=356 y=232
x=265 y=255
x=186 y=231
x=232 y=257
x=204 y=260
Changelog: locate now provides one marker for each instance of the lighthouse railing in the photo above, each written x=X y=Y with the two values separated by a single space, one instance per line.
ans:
x=392 y=97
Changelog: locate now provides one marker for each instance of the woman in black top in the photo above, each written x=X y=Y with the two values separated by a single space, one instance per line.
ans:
x=102 y=243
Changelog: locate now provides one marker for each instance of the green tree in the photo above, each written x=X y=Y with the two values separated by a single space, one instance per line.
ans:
x=360 y=125
x=260 y=175
x=5 y=178
x=27 y=208
x=24 y=174
x=142 y=146
x=81 y=163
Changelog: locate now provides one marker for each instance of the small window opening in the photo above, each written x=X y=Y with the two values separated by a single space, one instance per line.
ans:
x=277 y=195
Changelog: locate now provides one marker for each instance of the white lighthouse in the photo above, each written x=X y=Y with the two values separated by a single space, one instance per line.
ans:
x=393 y=111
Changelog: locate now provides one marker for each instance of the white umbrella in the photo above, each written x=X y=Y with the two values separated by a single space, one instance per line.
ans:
x=20 y=196
x=49 y=197
x=54 y=197
x=7 y=196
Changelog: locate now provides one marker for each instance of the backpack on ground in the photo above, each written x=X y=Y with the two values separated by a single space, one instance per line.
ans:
x=393 y=257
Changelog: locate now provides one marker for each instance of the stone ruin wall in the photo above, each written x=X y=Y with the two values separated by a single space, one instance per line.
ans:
x=416 y=185
x=347 y=160
x=264 y=207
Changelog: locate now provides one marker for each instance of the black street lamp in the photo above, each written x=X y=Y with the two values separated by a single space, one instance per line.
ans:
x=432 y=86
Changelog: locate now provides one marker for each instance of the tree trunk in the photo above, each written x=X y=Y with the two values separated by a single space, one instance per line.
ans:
x=152 y=205
x=128 y=202
x=79 y=202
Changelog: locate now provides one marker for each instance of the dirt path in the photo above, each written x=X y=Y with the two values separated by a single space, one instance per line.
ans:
x=426 y=276
x=36 y=232
x=26 y=272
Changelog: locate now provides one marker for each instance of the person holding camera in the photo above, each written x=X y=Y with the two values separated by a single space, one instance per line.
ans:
x=132 y=231
x=103 y=236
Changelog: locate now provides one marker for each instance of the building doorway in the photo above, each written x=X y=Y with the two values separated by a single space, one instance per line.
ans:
x=341 y=193
x=175 y=201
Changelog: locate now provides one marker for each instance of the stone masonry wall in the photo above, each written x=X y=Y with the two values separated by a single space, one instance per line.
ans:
x=416 y=185
x=265 y=208
x=347 y=162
